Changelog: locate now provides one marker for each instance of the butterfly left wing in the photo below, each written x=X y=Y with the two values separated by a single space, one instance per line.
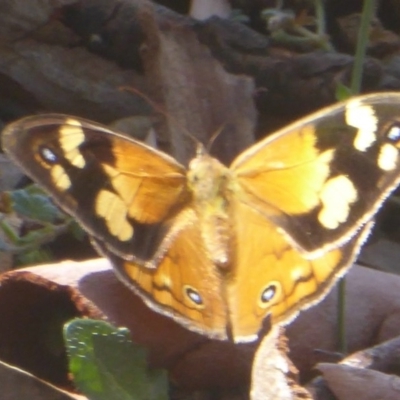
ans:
x=135 y=204
x=320 y=179
x=123 y=192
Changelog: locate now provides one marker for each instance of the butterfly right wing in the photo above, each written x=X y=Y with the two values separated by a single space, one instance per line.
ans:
x=322 y=178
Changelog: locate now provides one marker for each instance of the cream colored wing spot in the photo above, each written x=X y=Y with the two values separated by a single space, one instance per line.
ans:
x=110 y=207
x=126 y=192
x=71 y=136
x=363 y=118
x=318 y=172
x=337 y=195
x=60 y=178
x=387 y=158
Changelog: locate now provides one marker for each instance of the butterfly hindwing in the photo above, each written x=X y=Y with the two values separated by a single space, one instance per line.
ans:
x=282 y=279
x=185 y=286
x=121 y=191
x=320 y=179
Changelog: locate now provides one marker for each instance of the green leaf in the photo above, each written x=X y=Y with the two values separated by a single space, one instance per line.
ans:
x=342 y=92
x=9 y=233
x=29 y=247
x=34 y=257
x=76 y=230
x=106 y=364
x=35 y=205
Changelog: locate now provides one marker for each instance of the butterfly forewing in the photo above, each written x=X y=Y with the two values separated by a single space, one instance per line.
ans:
x=122 y=191
x=323 y=177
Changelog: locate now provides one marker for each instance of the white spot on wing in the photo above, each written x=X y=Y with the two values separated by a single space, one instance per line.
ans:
x=111 y=207
x=387 y=158
x=363 y=118
x=337 y=195
x=71 y=136
x=60 y=178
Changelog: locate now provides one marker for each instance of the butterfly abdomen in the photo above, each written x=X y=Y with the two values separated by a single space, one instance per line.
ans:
x=216 y=234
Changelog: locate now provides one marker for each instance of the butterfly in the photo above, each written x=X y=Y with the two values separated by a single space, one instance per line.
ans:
x=220 y=249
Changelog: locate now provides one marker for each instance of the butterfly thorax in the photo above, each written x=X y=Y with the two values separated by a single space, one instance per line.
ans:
x=209 y=182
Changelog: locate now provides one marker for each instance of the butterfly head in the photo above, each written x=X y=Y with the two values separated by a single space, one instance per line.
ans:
x=207 y=177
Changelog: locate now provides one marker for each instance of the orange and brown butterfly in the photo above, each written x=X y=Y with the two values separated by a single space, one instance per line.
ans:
x=219 y=249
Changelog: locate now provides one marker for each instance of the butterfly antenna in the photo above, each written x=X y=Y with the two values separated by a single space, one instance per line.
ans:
x=162 y=111
x=214 y=137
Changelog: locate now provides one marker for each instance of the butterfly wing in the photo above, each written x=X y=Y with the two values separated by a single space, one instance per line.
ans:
x=185 y=285
x=123 y=192
x=272 y=278
x=323 y=177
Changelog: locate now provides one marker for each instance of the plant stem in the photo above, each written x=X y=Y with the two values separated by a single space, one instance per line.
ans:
x=368 y=13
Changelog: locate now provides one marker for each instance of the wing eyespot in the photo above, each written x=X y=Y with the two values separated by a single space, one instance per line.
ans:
x=48 y=155
x=268 y=294
x=394 y=133
x=193 y=295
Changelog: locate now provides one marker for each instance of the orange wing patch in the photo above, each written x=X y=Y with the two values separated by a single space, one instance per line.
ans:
x=284 y=168
x=184 y=284
x=273 y=278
